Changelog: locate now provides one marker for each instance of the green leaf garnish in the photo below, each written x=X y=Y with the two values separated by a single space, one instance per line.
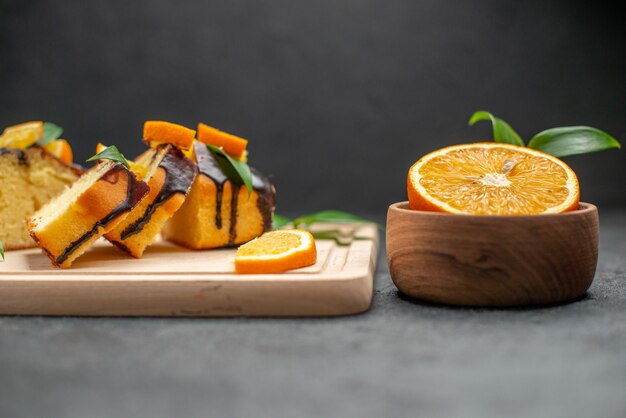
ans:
x=50 y=133
x=332 y=216
x=340 y=237
x=560 y=142
x=236 y=171
x=1 y=250
x=111 y=153
x=502 y=131
x=572 y=140
x=279 y=221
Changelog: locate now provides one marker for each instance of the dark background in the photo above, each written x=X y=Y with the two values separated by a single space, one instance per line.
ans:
x=337 y=98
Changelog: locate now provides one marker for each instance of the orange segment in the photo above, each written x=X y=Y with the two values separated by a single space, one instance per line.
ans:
x=231 y=144
x=21 y=136
x=276 y=251
x=159 y=132
x=36 y=126
x=492 y=179
x=62 y=149
x=100 y=147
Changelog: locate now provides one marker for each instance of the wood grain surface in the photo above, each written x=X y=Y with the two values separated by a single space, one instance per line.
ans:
x=492 y=260
x=172 y=281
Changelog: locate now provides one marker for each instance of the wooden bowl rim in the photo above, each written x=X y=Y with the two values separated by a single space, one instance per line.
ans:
x=584 y=208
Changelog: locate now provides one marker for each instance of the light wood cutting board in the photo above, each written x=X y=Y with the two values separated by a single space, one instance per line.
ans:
x=173 y=281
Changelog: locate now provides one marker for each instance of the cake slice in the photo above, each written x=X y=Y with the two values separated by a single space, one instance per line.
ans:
x=219 y=213
x=169 y=175
x=67 y=225
x=28 y=180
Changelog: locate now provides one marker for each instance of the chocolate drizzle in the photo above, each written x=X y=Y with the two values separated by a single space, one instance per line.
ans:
x=208 y=166
x=180 y=172
x=232 y=232
x=267 y=197
x=135 y=191
x=21 y=155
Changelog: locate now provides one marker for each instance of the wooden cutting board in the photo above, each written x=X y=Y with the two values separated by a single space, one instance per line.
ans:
x=173 y=281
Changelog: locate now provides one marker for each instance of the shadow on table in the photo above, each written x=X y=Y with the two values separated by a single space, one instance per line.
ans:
x=424 y=303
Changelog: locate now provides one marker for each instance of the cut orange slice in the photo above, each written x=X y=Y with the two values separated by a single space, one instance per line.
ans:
x=231 y=144
x=62 y=149
x=21 y=136
x=159 y=132
x=276 y=251
x=492 y=179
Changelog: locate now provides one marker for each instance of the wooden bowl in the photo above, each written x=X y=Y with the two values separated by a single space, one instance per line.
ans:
x=493 y=261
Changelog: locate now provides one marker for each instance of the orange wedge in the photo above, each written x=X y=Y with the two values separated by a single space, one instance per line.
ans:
x=100 y=147
x=159 y=132
x=276 y=251
x=62 y=149
x=492 y=179
x=21 y=136
x=231 y=144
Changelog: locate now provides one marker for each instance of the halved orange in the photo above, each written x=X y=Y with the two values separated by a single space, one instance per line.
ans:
x=276 y=251
x=159 y=132
x=21 y=136
x=62 y=149
x=231 y=144
x=492 y=179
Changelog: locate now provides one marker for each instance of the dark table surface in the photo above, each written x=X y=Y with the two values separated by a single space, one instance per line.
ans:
x=402 y=358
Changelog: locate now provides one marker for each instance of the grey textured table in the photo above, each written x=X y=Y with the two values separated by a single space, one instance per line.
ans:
x=402 y=358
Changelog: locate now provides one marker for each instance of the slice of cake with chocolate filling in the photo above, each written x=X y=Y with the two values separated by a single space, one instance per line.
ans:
x=30 y=175
x=97 y=202
x=169 y=174
x=219 y=212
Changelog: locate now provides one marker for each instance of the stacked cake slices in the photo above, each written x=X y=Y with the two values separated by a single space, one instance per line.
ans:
x=177 y=187
x=169 y=175
x=95 y=204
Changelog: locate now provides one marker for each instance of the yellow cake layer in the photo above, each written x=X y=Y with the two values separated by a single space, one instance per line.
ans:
x=29 y=179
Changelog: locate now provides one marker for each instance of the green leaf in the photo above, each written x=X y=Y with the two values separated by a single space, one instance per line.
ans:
x=340 y=238
x=502 y=131
x=572 y=140
x=1 y=250
x=236 y=171
x=111 y=153
x=333 y=216
x=279 y=221
x=50 y=133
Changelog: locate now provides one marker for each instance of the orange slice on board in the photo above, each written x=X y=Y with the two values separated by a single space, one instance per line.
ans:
x=21 y=136
x=492 y=179
x=61 y=149
x=276 y=252
x=231 y=144
x=159 y=132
